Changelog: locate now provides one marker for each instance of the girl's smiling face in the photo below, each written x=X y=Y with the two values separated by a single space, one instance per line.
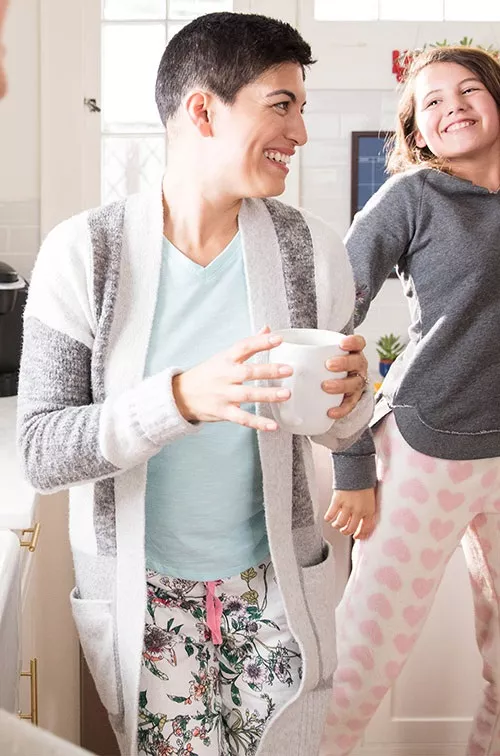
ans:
x=456 y=117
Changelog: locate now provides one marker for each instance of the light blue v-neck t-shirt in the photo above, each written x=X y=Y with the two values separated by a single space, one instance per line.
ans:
x=204 y=501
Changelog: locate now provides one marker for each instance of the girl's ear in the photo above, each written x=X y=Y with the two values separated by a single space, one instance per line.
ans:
x=419 y=140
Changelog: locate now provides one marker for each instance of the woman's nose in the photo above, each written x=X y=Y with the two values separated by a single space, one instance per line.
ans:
x=298 y=131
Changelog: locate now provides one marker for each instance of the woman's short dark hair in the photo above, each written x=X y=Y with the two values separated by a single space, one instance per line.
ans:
x=403 y=152
x=223 y=52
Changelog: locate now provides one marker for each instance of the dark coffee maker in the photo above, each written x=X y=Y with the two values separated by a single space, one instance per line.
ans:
x=13 y=293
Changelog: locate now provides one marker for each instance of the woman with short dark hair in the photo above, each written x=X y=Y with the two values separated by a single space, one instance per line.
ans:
x=141 y=384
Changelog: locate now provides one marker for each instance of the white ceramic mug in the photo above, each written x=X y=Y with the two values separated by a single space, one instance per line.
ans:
x=306 y=350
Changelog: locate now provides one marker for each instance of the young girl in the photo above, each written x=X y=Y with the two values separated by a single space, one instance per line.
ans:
x=438 y=432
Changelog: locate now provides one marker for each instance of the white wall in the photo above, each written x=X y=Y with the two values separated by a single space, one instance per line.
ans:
x=19 y=139
x=350 y=88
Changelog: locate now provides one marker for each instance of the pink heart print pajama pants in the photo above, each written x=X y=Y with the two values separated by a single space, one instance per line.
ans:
x=426 y=507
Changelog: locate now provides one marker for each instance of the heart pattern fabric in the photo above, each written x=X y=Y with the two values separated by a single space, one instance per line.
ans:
x=426 y=506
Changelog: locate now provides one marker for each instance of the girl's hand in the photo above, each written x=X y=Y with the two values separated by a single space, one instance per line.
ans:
x=214 y=390
x=356 y=381
x=353 y=512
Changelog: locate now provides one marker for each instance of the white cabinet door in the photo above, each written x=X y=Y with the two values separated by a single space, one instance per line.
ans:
x=9 y=620
x=69 y=59
x=47 y=630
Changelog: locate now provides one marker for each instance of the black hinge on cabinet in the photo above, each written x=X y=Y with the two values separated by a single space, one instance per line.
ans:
x=92 y=104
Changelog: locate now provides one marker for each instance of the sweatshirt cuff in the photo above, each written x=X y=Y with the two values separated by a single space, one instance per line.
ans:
x=351 y=473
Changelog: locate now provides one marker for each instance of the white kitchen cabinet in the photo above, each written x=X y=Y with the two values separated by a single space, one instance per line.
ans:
x=49 y=646
x=9 y=620
x=37 y=597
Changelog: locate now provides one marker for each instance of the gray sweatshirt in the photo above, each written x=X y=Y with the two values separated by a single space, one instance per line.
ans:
x=443 y=235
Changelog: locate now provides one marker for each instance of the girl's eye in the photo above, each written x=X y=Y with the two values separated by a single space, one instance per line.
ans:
x=431 y=103
x=470 y=89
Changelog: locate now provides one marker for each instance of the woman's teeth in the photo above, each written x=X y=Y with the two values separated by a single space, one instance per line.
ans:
x=278 y=157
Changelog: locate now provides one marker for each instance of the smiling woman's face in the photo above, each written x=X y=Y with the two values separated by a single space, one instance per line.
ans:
x=259 y=133
x=3 y=75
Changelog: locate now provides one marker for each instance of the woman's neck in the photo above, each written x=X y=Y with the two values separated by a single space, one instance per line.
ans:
x=199 y=223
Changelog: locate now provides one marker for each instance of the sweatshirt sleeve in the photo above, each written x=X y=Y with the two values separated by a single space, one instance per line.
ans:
x=64 y=436
x=380 y=236
x=377 y=241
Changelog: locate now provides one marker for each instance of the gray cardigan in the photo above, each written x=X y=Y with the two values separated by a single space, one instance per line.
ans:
x=88 y=417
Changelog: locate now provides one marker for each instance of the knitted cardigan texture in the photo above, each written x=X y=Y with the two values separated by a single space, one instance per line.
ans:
x=90 y=421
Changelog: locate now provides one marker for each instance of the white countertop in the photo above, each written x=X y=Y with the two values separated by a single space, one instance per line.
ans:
x=17 y=498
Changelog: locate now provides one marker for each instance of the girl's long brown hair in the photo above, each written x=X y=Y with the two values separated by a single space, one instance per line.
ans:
x=403 y=152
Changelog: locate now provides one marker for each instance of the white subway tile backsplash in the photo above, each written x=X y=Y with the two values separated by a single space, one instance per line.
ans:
x=320 y=153
x=24 y=240
x=20 y=234
x=4 y=239
x=322 y=125
x=25 y=213
x=342 y=100
x=350 y=122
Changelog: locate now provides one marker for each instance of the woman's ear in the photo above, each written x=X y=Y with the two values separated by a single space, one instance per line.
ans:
x=198 y=108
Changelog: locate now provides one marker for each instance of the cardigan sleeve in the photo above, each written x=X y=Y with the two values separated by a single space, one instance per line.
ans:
x=64 y=436
x=335 y=302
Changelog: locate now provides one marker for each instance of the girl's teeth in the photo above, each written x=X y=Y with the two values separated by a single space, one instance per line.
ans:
x=462 y=125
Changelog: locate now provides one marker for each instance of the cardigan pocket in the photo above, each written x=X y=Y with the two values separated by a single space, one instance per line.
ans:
x=94 y=623
x=319 y=590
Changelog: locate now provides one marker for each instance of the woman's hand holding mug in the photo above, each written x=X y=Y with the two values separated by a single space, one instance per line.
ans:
x=215 y=389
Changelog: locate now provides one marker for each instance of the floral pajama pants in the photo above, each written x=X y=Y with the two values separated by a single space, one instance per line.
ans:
x=218 y=662
x=426 y=507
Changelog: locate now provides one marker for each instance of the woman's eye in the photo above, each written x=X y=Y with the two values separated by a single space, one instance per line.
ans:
x=470 y=89
x=282 y=105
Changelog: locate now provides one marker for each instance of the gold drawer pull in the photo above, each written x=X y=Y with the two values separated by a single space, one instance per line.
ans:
x=33 y=675
x=31 y=544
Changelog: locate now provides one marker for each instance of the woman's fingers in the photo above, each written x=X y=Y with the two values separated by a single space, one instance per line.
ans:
x=349 y=385
x=354 y=342
x=261 y=372
x=246 y=348
x=236 y=415
x=355 y=362
x=250 y=394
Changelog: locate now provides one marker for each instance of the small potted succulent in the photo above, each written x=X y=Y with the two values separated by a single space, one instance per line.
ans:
x=388 y=348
